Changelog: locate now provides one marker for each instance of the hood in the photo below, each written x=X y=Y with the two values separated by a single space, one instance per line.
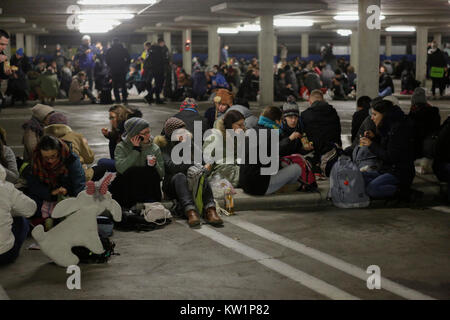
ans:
x=320 y=106
x=221 y=126
x=2 y=173
x=57 y=130
x=161 y=141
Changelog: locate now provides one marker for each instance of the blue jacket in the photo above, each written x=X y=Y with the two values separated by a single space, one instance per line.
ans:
x=220 y=82
x=86 y=60
x=74 y=182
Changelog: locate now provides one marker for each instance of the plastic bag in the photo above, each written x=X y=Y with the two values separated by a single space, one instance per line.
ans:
x=218 y=185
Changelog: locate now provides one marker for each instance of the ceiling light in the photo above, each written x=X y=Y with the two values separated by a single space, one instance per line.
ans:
x=116 y=2
x=350 y=16
x=249 y=28
x=401 y=29
x=292 y=23
x=227 y=30
x=105 y=14
x=344 y=32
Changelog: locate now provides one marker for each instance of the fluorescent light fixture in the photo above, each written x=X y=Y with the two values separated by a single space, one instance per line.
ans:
x=115 y=2
x=401 y=29
x=350 y=16
x=292 y=22
x=227 y=30
x=249 y=28
x=344 y=32
x=105 y=15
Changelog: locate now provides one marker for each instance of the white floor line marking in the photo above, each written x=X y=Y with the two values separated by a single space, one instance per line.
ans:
x=445 y=209
x=276 y=265
x=325 y=258
x=3 y=295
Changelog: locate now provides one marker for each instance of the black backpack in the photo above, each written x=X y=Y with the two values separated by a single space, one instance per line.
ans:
x=133 y=221
x=87 y=256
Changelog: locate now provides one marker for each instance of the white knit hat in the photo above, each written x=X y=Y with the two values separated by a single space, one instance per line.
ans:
x=40 y=111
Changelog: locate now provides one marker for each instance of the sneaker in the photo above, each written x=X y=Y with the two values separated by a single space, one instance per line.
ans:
x=404 y=92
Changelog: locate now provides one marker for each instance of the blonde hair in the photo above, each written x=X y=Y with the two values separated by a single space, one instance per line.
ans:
x=121 y=111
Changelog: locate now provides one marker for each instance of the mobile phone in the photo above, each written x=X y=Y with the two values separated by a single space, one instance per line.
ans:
x=141 y=138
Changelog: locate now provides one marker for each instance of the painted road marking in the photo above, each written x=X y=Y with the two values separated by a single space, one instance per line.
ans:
x=276 y=265
x=445 y=209
x=3 y=295
x=327 y=259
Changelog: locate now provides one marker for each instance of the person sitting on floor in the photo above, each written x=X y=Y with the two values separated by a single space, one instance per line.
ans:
x=222 y=102
x=224 y=167
x=189 y=114
x=393 y=145
x=14 y=228
x=34 y=129
x=79 y=89
x=8 y=159
x=175 y=184
x=242 y=105
x=362 y=112
x=293 y=140
x=55 y=172
x=251 y=178
x=139 y=165
x=386 y=86
x=441 y=164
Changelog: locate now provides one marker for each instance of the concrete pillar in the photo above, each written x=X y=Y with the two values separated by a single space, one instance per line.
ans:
x=421 y=54
x=36 y=45
x=168 y=40
x=368 y=52
x=213 y=46
x=275 y=45
x=388 y=46
x=354 y=50
x=266 y=61
x=305 y=45
x=187 y=55
x=29 y=45
x=438 y=38
x=20 y=41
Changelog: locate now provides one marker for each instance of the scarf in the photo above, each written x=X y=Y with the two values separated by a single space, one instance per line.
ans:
x=50 y=175
x=270 y=124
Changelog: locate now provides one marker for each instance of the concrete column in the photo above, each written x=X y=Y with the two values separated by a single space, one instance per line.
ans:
x=187 y=55
x=36 y=45
x=168 y=40
x=421 y=54
x=368 y=52
x=20 y=41
x=266 y=61
x=275 y=45
x=305 y=45
x=438 y=38
x=354 y=50
x=388 y=46
x=213 y=46
x=29 y=45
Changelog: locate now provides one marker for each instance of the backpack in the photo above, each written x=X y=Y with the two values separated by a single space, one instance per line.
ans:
x=364 y=158
x=134 y=220
x=307 y=178
x=347 y=187
x=87 y=256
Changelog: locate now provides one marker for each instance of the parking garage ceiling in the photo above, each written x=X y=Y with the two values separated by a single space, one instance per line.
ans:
x=50 y=16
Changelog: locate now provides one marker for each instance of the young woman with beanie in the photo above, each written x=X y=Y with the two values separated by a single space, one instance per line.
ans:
x=139 y=165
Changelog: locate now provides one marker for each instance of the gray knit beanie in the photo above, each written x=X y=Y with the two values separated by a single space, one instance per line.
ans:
x=133 y=126
x=290 y=109
x=418 y=96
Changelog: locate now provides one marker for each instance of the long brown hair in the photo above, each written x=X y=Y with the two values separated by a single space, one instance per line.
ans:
x=121 y=111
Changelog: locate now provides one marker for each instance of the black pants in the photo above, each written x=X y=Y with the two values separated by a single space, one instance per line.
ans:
x=159 y=81
x=119 y=82
x=90 y=76
x=437 y=83
x=177 y=188
x=137 y=184
x=88 y=92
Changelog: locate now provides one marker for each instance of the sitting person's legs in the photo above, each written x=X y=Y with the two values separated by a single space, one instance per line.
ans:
x=20 y=228
x=442 y=172
x=287 y=175
x=382 y=186
x=108 y=164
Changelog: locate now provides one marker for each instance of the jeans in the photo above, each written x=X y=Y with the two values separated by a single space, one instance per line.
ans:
x=380 y=186
x=20 y=228
x=178 y=188
x=289 y=174
x=385 y=92
x=119 y=82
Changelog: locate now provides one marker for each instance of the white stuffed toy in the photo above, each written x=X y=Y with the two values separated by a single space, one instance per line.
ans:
x=80 y=227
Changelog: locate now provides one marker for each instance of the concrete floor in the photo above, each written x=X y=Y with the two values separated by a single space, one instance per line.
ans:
x=238 y=261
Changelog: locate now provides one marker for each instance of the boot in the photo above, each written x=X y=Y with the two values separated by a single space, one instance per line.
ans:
x=212 y=217
x=193 y=220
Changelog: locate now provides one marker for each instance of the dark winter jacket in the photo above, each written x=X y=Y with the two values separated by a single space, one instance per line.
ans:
x=394 y=146
x=436 y=59
x=118 y=59
x=357 y=120
x=188 y=117
x=443 y=143
x=86 y=60
x=250 y=178
x=156 y=60
x=288 y=147
x=426 y=122
x=385 y=81
x=322 y=127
